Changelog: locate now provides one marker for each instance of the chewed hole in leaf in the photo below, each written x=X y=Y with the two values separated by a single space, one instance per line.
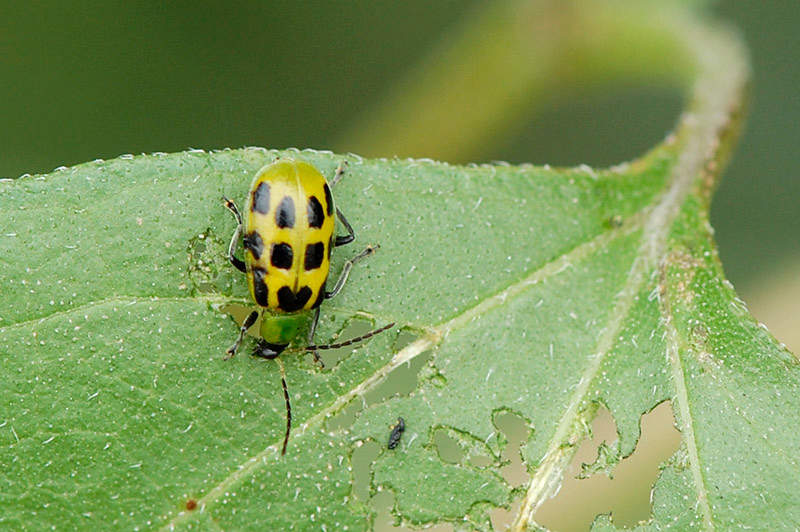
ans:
x=459 y=451
x=344 y=418
x=447 y=446
x=239 y=313
x=619 y=487
x=517 y=431
x=385 y=520
x=401 y=381
x=404 y=337
x=456 y=447
x=208 y=268
x=361 y=461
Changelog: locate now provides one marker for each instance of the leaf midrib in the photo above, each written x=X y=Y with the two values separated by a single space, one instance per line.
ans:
x=686 y=419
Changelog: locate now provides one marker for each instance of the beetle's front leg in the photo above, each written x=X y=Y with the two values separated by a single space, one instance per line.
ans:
x=251 y=319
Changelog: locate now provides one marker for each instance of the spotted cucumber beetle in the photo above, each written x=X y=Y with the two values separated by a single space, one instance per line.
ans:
x=288 y=238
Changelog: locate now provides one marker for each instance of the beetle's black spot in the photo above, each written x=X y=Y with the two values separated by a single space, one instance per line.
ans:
x=282 y=256
x=260 y=290
x=260 y=201
x=315 y=213
x=328 y=199
x=314 y=255
x=321 y=294
x=330 y=247
x=289 y=301
x=253 y=242
x=284 y=216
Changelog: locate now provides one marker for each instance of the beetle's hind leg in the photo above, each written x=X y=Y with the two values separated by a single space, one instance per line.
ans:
x=350 y=236
x=237 y=263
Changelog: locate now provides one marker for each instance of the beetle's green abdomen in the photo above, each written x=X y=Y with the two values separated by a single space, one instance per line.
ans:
x=281 y=329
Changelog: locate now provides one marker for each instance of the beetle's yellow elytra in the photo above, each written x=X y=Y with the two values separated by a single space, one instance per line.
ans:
x=288 y=235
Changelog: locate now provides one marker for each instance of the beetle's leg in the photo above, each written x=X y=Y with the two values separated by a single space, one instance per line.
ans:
x=346 y=270
x=311 y=331
x=237 y=263
x=339 y=173
x=251 y=319
x=351 y=235
x=351 y=341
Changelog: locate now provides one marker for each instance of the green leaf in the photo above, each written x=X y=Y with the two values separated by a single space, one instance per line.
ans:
x=537 y=292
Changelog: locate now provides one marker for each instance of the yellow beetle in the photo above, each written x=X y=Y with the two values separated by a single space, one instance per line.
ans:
x=288 y=238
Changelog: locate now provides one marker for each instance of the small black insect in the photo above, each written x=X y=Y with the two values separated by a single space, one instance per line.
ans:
x=397 y=433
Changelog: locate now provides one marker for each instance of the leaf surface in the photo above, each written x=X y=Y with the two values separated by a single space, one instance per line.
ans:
x=527 y=290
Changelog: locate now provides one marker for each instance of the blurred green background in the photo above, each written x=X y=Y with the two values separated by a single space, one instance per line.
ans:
x=81 y=80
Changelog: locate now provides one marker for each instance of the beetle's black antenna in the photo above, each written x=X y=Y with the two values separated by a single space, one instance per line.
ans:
x=350 y=341
x=288 y=406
